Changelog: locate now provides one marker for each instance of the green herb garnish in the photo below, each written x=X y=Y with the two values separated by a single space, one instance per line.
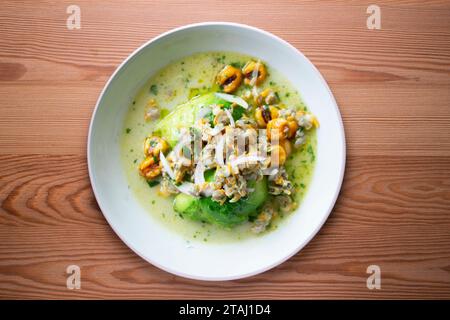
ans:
x=238 y=112
x=154 y=89
x=153 y=183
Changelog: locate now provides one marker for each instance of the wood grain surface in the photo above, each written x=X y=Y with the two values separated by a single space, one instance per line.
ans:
x=393 y=89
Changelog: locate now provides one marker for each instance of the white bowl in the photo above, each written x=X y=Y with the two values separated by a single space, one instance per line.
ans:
x=153 y=241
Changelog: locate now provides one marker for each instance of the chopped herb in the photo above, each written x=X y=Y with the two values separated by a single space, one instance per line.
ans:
x=134 y=102
x=153 y=183
x=271 y=83
x=153 y=202
x=128 y=130
x=277 y=95
x=154 y=89
x=135 y=160
x=221 y=59
x=238 y=112
x=237 y=65
x=287 y=94
x=210 y=117
x=310 y=150
x=302 y=185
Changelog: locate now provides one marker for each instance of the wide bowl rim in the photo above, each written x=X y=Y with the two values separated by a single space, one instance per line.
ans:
x=134 y=54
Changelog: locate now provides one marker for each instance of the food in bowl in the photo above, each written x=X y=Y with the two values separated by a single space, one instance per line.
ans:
x=219 y=143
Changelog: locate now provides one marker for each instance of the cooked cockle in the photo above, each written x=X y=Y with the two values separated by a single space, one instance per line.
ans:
x=263 y=219
x=285 y=203
x=287 y=146
x=246 y=123
x=219 y=196
x=278 y=155
x=286 y=113
x=277 y=129
x=229 y=78
x=152 y=111
x=153 y=145
x=247 y=95
x=267 y=96
x=299 y=138
x=235 y=187
x=150 y=168
x=208 y=155
x=264 y=114
x=180 y=171
x=293 y=127
x=279 y=183
x=204 y=127
x=254 y=73
x=306 y=120
x=167 y=187
x=221 y=117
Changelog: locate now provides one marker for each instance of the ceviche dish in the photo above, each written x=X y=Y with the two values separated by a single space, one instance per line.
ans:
x=219 y=145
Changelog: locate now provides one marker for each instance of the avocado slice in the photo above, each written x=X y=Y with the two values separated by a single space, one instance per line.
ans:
x=227 y=214
x=183 y=115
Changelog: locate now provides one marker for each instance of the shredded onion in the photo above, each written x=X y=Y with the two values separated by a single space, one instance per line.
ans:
x=270 y=172
x=203 y=112
x=207 y=191
x=255 y=92
x=199 y=172
x=185 y=139
x=231 y=118
x=187 y=188
x=255 y=74
x=219 y=150
x=244 y=159
x=216 y=130
x=233 y=99
x=166 y=166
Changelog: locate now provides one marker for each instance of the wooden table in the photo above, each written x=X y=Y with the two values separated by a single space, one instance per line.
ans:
x=392 y=86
